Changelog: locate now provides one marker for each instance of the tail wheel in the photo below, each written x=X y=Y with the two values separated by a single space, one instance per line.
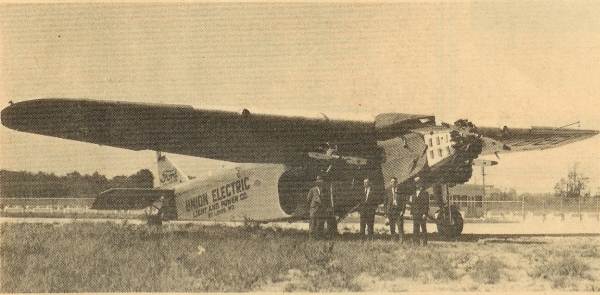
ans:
x=449 y=222
x=154 y=215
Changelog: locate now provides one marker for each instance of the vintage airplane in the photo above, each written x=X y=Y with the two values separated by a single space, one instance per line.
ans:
x=282 y=155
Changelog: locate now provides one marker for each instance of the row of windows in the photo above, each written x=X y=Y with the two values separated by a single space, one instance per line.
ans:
x=440 y=152
x=438 y=140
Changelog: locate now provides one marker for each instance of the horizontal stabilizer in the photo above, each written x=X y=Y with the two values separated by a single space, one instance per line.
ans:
x=129 y=198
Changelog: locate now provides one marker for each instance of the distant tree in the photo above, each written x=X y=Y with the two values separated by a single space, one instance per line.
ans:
x=142 y=178
x=73 y=175
x=24 y=184
x=573 y=186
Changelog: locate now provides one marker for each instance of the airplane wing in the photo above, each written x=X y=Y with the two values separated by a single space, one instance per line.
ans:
x=181 y=129
x=240 y=137
x=503 y=140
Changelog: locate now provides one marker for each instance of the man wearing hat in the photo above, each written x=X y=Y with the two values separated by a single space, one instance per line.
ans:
x=420 y=210
x=319 y=208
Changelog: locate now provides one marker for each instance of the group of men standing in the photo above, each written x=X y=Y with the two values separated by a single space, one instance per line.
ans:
x=395 y=203
x=396 y=199
x=321 y=210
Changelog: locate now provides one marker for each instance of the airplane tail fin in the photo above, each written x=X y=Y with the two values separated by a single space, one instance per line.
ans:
x=168 y=173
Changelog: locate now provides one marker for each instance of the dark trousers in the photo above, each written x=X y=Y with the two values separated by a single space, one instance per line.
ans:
x=396 y=219
x=367 y=222
x=420 y=229
x=317 y=225
x=332 y=229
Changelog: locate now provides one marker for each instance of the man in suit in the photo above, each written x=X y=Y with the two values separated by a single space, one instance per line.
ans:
x=395 y=205
x=319 y=207
x=367 y=210
x=420 y=210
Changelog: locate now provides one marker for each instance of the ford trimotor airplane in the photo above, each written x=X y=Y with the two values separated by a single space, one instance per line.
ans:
x=283 y=154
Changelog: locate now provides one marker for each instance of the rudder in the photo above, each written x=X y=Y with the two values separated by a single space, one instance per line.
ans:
x=168 y=173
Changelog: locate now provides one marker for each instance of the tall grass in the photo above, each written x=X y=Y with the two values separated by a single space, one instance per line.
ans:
x=487 y=270
x=560 y=270
x=110 y=257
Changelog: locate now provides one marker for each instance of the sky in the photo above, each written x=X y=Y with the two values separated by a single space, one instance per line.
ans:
x=517 y=63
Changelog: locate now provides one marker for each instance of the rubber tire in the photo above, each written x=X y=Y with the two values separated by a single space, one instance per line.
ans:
x=154 y=220
x=446 y=230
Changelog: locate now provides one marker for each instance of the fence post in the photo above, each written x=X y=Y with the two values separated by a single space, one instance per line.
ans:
x=523 y=206
x=579 y=207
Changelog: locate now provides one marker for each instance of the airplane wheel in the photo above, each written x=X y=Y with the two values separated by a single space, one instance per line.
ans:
x=154 y=220
x=449 y=224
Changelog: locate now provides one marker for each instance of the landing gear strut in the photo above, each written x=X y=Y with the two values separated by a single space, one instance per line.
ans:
x=448 y=218
x=154 y=213
x=449 y=222
x=154 y=219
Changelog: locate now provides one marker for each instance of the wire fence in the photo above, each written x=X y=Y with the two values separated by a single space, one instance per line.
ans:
x=530 y=208
x=80 y=206
x=498 y=210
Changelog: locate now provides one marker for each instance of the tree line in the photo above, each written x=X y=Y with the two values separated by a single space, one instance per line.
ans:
x=23 y=184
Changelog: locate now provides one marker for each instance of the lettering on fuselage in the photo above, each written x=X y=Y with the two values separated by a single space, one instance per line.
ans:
x=168 y=176
x=220 y=199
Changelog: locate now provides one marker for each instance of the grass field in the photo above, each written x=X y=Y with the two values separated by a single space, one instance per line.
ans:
x=110 y=257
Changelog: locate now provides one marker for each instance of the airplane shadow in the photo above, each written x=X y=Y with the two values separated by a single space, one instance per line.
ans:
x=513 y=238
x=472 y=238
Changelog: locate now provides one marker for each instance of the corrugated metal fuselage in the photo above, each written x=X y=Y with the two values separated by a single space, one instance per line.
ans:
x=276 y=191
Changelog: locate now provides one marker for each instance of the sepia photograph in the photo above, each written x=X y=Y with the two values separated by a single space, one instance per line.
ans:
x=410 y=146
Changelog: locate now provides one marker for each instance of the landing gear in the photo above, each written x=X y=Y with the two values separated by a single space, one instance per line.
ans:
x=449 y=222
x=448 y=219
x=154 y=219
x=154 y=213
